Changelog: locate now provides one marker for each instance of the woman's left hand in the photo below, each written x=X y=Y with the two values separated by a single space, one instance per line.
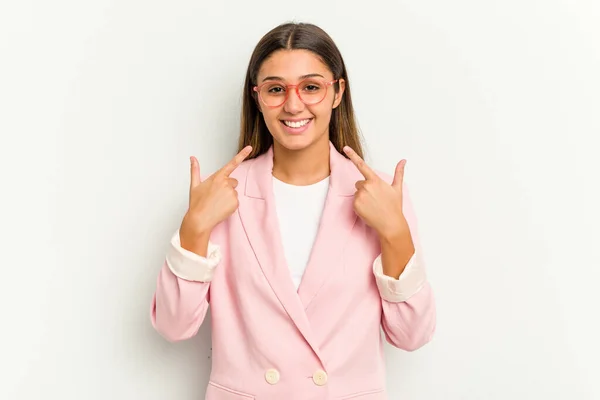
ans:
x=378 y=203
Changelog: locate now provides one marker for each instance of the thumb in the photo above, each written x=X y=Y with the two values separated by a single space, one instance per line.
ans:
x=399 y=175
x=194 y=172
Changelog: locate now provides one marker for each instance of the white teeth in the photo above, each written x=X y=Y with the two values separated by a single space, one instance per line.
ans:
x=296 y=124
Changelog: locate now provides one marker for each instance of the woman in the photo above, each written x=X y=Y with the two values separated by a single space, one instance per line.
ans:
x=302 y=250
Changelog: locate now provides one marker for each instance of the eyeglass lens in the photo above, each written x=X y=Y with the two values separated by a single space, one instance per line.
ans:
x=311 y=92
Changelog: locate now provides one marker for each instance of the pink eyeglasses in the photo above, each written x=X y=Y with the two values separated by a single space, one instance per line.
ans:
x=310 y=91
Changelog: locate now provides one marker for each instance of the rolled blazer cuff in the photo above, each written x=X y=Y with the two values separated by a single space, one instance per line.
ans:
x=190 y=266
x=411 y=280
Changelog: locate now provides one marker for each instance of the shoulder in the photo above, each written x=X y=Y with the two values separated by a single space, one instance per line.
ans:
x=249 y=173
x=242 y=169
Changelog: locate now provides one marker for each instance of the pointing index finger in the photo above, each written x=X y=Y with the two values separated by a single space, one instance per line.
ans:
x=362 y=166
x=235 y=162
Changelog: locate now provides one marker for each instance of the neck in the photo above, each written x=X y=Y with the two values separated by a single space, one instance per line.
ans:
x=301 y=167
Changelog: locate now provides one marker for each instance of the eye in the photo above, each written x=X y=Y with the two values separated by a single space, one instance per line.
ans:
x=275 y=89
x=311 y=86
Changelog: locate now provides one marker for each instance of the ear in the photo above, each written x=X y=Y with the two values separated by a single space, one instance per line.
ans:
x=257 y=102
x=340 y=93
x=254 y=95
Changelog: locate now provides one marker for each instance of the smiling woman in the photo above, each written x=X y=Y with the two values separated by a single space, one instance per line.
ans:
x=296 y=77
x=297 y=118
x=304 y=252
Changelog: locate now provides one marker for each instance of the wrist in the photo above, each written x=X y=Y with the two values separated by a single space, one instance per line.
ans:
x=194 y=240
x=196 y=244
x=394 y=231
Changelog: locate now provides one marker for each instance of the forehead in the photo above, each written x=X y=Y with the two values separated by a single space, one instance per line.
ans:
x=291 y=64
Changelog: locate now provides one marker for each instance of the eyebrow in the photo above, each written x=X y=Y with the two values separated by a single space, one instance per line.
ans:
x=278 y=78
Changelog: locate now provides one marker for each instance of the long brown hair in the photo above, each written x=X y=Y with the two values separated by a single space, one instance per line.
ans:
x=343 y=129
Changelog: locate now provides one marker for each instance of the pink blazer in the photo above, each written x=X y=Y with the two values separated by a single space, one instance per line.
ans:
x=271 y=342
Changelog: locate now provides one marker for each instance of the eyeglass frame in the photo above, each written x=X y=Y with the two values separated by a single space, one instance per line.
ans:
x=257 y=89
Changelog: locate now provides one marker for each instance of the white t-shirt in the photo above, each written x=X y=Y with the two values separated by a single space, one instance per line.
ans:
x=299 y=210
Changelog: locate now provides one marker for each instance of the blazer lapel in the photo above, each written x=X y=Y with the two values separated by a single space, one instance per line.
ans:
x=258 y=215
x=259 y=218
x=337 y=221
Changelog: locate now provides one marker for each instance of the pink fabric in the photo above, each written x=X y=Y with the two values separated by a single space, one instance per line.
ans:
x=260 y=323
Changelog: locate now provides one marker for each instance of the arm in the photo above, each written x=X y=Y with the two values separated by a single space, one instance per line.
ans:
x=181 y=299
x=408 y=306
x=180 y=302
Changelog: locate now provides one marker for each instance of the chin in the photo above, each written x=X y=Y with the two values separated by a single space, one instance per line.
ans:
x=294 y=143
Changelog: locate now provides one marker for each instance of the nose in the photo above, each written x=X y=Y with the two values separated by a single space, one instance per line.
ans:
x=293 y=104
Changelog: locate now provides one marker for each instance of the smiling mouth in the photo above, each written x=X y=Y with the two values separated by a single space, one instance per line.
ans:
x=296 y=124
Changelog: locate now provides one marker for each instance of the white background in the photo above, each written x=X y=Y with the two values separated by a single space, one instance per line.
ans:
x=495 y=104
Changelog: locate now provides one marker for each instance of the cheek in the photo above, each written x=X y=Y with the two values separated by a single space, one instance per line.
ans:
x=324 y=109
x=270 y=116
x=322 y=112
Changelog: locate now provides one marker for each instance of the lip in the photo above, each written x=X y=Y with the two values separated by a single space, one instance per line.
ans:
x=296 y=131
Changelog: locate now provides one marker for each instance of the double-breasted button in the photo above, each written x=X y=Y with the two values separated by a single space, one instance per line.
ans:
x=320 y=377
x=272 y=376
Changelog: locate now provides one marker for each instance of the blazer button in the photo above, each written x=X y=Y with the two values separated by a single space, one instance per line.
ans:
x=320 y=377
x=272 y=376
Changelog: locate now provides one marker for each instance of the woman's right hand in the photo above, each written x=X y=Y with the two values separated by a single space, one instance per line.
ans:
x=210 y=202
